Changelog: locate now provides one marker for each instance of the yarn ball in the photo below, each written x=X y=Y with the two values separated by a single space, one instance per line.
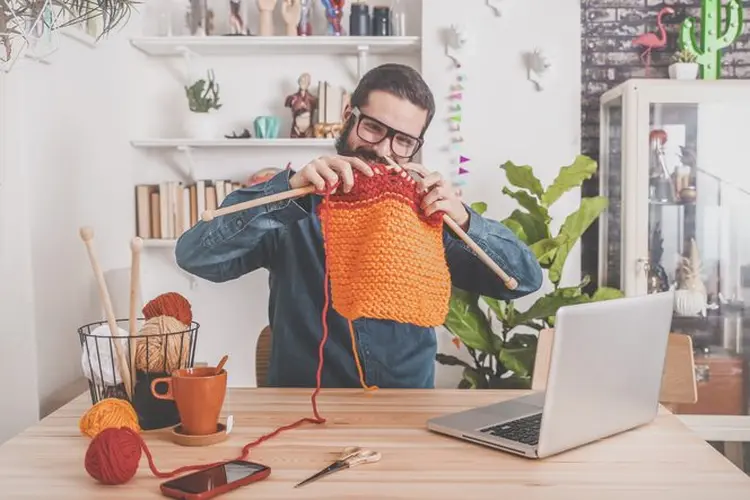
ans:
x=169 y=304
x=113 y=456
x=96 y=356
x=106 y=414
x=160 y=352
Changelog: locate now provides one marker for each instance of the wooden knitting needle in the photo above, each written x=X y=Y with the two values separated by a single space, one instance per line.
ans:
x=209 y=215
x=510 y=282
x=87 y=235
x=136 y=244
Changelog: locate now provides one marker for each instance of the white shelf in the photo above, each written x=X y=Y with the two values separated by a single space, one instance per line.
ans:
x=233 y=143
x=240 y=45
x=159 y=243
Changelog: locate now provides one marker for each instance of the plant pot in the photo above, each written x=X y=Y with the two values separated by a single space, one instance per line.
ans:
x=683 y=71
x=203 y=126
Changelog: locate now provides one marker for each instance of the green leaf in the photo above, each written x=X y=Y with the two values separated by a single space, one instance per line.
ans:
x=448 y=360
x=533 y=228
x=479 y=207
x=548 y=305
x=571 y=230
x=496 y=306
x=515 y=227
x=522 y=176
x=510 y=383
x=475 y=380
x=468 y=322
x=544 y=250
x=569 y=177
x=529 y=203
x=572 y=291
x=607 y=293
x=519 y=360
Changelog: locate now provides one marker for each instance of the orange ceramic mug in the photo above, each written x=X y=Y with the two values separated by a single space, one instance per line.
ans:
x=198 y=394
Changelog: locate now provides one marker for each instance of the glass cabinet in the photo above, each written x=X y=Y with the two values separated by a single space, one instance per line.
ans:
x=675 y=165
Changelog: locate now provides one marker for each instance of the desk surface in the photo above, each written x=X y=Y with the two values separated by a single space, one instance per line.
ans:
x=663 y=460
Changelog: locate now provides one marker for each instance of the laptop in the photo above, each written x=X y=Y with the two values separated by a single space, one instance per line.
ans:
x=604 y=378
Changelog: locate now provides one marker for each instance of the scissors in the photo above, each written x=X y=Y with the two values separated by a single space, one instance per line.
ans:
x=351 y=457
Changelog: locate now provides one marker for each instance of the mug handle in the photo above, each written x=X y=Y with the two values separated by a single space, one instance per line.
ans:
x=167 y=395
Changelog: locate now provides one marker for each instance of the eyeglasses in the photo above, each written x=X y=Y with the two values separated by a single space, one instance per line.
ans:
x=374 y=131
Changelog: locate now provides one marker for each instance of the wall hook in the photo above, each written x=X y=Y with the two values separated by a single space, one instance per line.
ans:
x=537 y=66
x=457 y=39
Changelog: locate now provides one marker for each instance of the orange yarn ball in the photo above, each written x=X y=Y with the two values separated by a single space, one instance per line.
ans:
x=106 y=414
x=170 y=304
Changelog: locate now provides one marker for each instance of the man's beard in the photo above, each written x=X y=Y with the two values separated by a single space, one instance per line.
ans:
x=363 y=152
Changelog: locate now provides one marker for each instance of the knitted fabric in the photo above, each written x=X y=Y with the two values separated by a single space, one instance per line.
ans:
x=385 y=258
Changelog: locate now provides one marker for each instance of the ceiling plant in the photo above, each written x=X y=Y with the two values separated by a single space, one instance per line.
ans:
x=500 y=339
x=19 y=17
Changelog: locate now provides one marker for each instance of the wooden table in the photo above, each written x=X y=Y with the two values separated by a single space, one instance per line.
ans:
x=663 y=460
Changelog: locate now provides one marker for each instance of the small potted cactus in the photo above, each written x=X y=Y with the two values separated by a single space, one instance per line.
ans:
x=203 y=103
x=684 y=66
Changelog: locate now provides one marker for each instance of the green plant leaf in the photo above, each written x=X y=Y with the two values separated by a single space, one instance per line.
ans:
x=515 y=227
x=475 y=380
x=479 y=207
x=544 y=250
x=467 y=321
x=547 y=306
x=529 y=203
x=510 y=383
x=569 y=177
x=607 y=293
x=496 y=306
x=571 y=230
x=533 y=228
x=522 y=176
x=448 y=360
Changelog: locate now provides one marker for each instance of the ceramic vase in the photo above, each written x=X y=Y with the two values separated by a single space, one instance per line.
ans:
x=202 y=126
x=266 y=127
x=683 y=71
x=689 y=302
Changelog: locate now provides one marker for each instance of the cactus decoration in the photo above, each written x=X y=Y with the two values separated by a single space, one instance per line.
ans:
x=712 y=39
x=203 y=96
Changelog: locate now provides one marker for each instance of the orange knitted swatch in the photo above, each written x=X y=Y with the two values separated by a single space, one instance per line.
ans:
x=386 y=258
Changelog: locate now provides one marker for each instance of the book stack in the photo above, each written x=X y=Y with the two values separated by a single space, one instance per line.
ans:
x=168 y=209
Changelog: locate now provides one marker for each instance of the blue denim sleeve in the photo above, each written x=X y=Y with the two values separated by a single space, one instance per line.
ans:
x=502 y=246
x=232 y=245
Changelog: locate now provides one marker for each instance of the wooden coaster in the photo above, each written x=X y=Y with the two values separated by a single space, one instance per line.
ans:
x=187 y=440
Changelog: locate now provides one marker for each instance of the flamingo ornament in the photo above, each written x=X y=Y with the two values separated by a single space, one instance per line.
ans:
x=653 y=41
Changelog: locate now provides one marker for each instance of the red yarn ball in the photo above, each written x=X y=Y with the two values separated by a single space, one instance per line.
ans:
x=169 y=304
x=113 y=455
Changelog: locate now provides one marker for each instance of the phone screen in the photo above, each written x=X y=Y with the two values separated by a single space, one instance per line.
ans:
x=209 y=479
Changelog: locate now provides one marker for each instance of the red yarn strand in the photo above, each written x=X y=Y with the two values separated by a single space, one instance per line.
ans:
x=316 y=419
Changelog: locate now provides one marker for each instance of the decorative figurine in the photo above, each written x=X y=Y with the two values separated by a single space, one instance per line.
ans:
x=660 y=182
x=290 y=11
x=236 y=24
x=334 y=11
x=302 y=104
x=266 y=16
x=304 y=28
x=651 y=41
x=712 y=39
x=658 y=281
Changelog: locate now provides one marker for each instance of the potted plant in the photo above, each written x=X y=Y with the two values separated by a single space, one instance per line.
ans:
x=501 y=340
x=203 y=103
x=684 y=66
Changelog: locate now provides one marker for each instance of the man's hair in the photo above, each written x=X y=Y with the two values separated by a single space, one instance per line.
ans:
x=400 y=80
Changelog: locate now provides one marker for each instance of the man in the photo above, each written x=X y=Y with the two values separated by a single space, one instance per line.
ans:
x=389 y=113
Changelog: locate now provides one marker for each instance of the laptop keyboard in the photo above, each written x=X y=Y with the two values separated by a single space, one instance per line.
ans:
x=524 y=430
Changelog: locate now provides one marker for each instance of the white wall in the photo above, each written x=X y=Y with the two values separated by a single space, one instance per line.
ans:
x=83 y=110
x=503 y=117
x=18 y=363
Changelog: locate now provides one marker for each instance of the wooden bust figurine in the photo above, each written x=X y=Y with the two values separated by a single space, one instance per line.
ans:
x=302 y=104
x=266 y=17
x=290 y=11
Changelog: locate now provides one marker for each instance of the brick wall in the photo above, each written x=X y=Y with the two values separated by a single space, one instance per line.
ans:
x=609 y=58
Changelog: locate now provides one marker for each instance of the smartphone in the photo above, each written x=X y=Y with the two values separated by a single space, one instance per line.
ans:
x=212 y=482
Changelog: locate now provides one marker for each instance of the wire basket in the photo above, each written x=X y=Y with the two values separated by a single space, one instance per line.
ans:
x=107 y=360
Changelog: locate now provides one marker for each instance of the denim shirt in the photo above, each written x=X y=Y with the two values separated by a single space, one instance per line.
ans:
x=285 y=238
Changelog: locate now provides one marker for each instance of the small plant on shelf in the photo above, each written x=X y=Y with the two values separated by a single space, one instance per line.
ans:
x=203 y=95
x=203 y=102
x=684 y=66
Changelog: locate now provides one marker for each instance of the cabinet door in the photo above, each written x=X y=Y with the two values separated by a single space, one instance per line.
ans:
x=698 y=199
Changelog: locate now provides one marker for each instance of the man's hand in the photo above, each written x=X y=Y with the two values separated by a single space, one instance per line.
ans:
x=328 y=170
x=440 y=197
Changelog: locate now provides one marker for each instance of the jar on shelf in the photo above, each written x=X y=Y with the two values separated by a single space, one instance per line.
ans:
x=381 y=21
x=359 y=20
x=398 y=18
